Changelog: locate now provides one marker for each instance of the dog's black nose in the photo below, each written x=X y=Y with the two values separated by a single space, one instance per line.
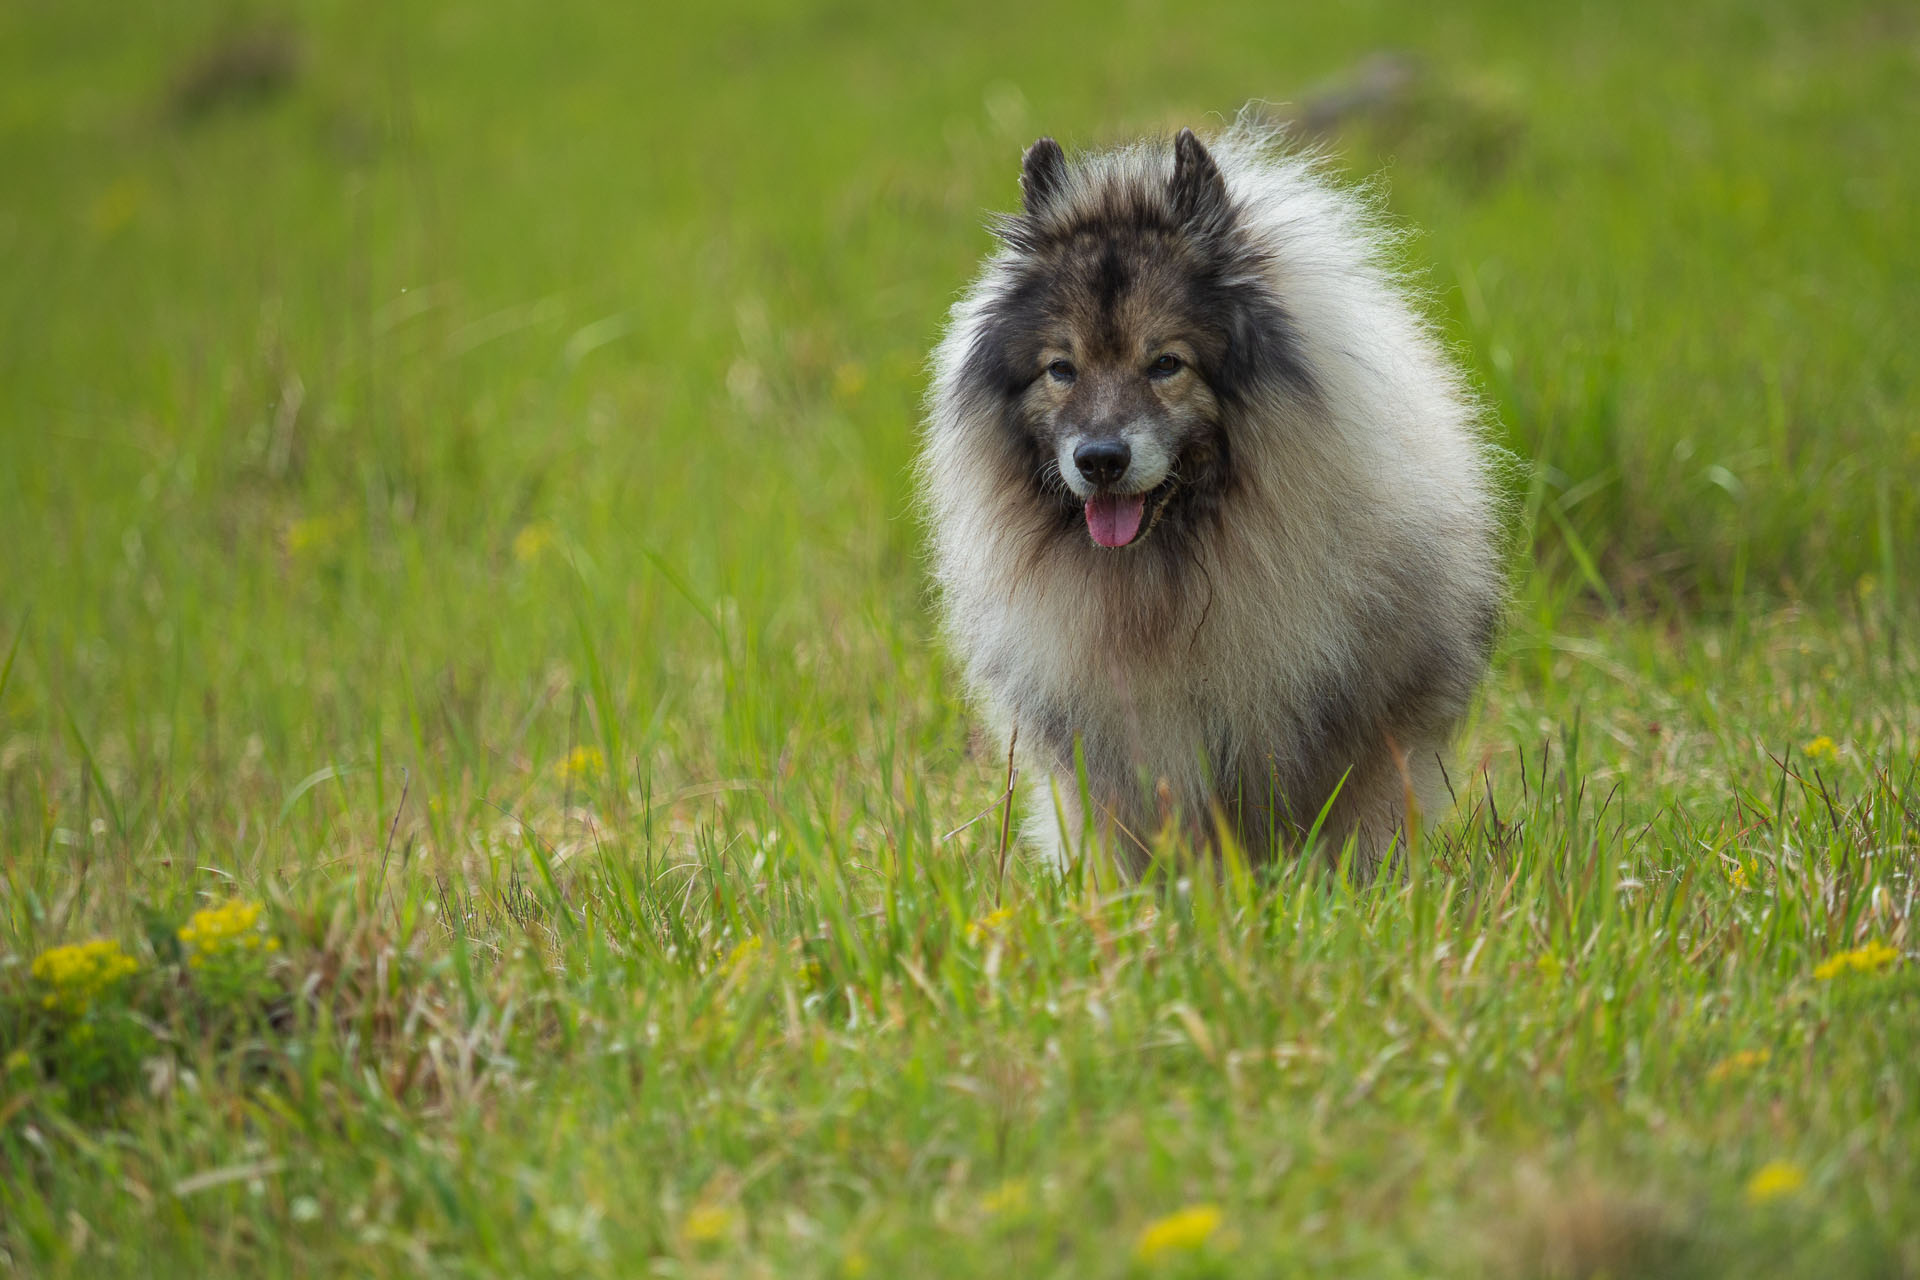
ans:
x=1102 y=461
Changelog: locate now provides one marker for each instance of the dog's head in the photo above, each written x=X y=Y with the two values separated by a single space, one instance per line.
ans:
x=1133 y=323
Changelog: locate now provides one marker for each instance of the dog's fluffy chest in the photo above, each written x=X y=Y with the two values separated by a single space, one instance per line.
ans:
x=1213 y=686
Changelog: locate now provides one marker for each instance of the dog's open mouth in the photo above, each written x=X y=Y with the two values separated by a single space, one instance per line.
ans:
x=1122 y=519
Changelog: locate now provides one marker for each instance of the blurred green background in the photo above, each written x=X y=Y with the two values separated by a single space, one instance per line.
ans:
x=665 y=278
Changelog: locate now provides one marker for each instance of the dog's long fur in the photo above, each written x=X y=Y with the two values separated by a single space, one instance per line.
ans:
x=1313 y=600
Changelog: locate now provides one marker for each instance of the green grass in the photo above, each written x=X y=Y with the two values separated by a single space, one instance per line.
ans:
x=513 y=389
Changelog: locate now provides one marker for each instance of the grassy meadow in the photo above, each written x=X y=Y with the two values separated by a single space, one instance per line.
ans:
x=481 y=792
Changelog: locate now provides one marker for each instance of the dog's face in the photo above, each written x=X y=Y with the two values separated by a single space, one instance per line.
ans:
x=1130 y=330
x=1118 y=398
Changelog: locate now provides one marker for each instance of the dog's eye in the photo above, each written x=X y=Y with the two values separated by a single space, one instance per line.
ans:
x=1060 y=371
x=1165 y=367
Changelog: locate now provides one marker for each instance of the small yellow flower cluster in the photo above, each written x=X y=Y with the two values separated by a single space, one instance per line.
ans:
x=1871 y=958
x=76 y=975
x=1738 y=878
x=742 y=959
x=582 y=762
x=989 y=925
x=231 y=927
x=1739 y=1063
x=1775 y=1180
x=813 y=975
x=532 y=542
x=317 y=534
x=1821 y=748
x=706 y=1223
x=1010 y=1199
x=1181 y=1232
x=754 y=959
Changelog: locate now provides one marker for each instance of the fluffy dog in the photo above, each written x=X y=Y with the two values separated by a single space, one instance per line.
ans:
x=1209 y=502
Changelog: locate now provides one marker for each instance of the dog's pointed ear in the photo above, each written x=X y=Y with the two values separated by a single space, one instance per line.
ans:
x=1199 y=192
x=1043 y=172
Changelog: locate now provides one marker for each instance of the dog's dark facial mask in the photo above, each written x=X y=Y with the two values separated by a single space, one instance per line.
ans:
x=1128 y=332
x=1119 y=409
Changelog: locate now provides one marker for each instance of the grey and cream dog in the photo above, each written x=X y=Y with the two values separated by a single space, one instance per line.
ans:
x=1209 y=499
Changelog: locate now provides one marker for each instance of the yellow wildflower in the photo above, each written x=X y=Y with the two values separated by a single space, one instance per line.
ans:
x=706 y=1223
x=1009 y=1198
x=1183 y=1231
x=1871 y=958
x=233 y=927
x=1774 y=1180
x=989 y=925
x=533 y=541
x=1821 y=748
x=1743 y=1061
x=79 y=973
x=1738 y=878
x=1549 y=966
x=741 y=959
x=316 y=534
x=582 y=762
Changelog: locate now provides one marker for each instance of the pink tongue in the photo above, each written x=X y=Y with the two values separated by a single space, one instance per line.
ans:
x=1113 y=519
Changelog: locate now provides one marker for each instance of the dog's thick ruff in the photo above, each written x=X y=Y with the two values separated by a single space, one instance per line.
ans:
x=1314 y=585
